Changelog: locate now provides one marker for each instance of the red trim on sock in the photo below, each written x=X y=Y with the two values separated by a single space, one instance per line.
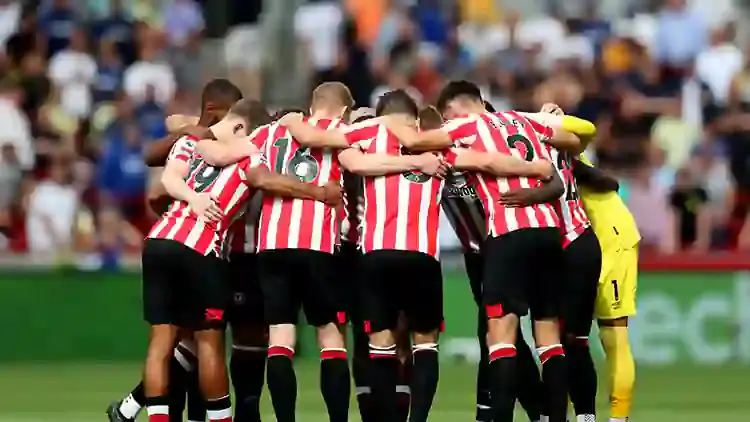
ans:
x=547 y=354
x=366 y=326
x=332 y=354
x=503 y=352
x=219 y=420
x=584 y=342
x=158 y=418
x=495 y=311
x=280 y=351
x=341 y=318
x=383 y=356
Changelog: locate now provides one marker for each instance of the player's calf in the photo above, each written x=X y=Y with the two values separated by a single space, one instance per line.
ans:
x=501 y=338
x=554 y=370
x=425 y=376
x=247 y=368
x=156 y=371
x=212 y=371
x=383 y=374
x=613 y=334
x=335 y=381
x=281 y=379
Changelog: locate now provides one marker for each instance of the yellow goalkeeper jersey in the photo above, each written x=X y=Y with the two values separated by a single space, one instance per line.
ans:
x=613 y=223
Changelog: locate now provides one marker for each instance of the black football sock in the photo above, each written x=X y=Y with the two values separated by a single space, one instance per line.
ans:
x=502 y=374
x=335 y=383
x=219 y=410
x=581 y=375
x=383 y=376
x=484 y=404
x=360 y=365
x=554 y=377
x=131 y=405
x=424 y=381
x=282 y=382
x=177 y=389
x=403 y=388
x=247 y=367
x=529 y=389
x=196 y=405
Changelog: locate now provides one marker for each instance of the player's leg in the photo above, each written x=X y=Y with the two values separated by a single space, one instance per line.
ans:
x=281 y=305
x=545 y=303
x=583 y=265
x=424 y=314
x=504 y=299
x=210 y=299
x=615 y=303
x=325 y=311
x=405 y=368
x=380 y=314
x=247 y=364
x=474 y=270
x=162 y=312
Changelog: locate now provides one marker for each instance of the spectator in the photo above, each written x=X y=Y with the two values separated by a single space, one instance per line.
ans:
x=395 y=80
x=10 y=177
x=51 y=212
x=318 y=26
x=681 y=34
x=692 y=216
x=648 y=203
x=25 y=40
x=150 y=118
x=717 y=65
x=184 y=28
x=116 y=27
x=110 y=69
x=150 y=73
x=10 y=19
x=35 y=84
x=58 y=23
x=14 y=125
x=73 y=72
x=122 y=176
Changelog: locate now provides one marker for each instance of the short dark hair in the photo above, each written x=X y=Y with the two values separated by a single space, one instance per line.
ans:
x=284 y=111
x=253 y=111
x=220 y=90
x=362 y=119
x=458 y=89
x=430 y=118
x=397 y=101
x=489 y=107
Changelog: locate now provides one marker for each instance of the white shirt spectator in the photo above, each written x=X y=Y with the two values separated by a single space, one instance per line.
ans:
x=318 y=25
x=51 y=214
x=716 y=66
x=74 y=73
x=182 y=18
x=15 y=129
x=10 y=17
x=141 y=75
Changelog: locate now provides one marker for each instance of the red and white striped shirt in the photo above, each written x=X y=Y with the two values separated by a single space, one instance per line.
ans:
x=464 y=211
x=291 y=223
x=573 y=218
x=229 y=185
x=244 y=231
x=508 y=133
x=400 y=211
x=351 y=212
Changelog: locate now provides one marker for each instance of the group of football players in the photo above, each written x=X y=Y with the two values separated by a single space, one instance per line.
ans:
x=335 y=213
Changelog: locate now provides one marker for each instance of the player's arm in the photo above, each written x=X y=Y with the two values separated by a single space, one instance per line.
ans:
x=310 y=136
x=226 y=152
x=158 y=198
x=522 y=197
x=498 y=164
x=176 y=122
x=155 y=154
x=357 y=162
x=594 y=178
x=413 y=140
x=264 y=179
x=568 y=133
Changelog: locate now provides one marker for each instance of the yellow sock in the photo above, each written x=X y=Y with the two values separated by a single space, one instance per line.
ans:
x=621 y=370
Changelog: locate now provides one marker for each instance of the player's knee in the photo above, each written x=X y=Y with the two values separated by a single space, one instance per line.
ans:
x=502 y=329
x=424 y=338
x=282 y=335
x=383 y=338
x=546 y=332
x=329 y=337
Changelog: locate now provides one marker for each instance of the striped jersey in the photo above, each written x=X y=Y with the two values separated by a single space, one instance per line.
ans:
x=293 y=223
x=464 y=211
x=228 y=184
x=513 y=134
x=573 y=218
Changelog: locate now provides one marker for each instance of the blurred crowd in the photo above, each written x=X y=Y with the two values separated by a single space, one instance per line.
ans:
x=84 y=85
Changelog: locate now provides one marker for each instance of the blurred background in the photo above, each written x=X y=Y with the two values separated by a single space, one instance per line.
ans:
x=85 y=84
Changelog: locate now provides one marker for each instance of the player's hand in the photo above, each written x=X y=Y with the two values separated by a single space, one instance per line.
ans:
x=521 y=197
x=545 y=169
x=431 y=164
x=290 y=119
x=332 y=194
x=552 y=108
x=200 y=132
x=205 y=205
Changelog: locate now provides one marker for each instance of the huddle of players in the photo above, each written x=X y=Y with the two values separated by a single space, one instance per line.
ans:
x=390 y=238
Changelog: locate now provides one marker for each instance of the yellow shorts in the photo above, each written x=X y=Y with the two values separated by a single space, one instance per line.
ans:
x=617 y=284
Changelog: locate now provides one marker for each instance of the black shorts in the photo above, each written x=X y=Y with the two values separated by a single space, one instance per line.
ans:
x=523 y=271
x=348 y=273
x=583 y=264
x=294 y=279
x=182 y=287
x=393 y=281
x=247 y=304
x=474 y=265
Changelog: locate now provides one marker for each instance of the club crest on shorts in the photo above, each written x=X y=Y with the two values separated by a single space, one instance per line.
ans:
x=239 y=298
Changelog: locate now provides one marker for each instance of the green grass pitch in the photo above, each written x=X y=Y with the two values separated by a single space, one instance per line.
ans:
x=48 y=392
